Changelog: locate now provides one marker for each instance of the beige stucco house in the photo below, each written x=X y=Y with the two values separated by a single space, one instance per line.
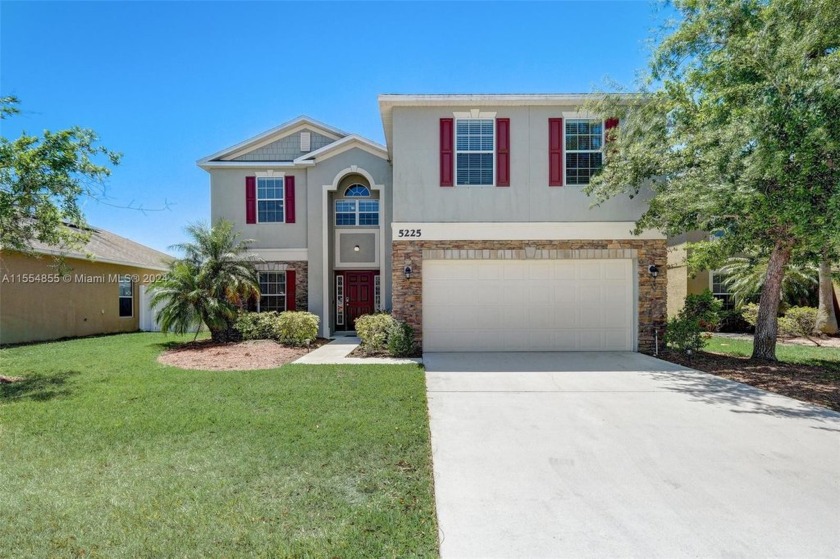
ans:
x=470 y=224
x=681 y=282
x=100 y=290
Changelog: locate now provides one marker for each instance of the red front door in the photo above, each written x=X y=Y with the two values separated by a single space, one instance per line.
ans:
x=358 y=295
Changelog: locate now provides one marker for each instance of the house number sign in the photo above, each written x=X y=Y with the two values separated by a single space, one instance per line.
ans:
x=409 y=233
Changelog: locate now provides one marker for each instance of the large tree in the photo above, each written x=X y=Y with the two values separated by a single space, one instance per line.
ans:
x=737 y=133
x=42 y=179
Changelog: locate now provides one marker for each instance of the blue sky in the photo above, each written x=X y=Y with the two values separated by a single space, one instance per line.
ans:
x=166 y=83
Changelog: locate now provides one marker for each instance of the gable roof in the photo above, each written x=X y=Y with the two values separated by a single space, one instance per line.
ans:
x=342 y=145
x=110 y=248
x=272 y=135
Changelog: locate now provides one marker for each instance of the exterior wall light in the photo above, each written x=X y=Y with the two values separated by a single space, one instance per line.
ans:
x=654 y=271
x=407 y=272
x=356 y=248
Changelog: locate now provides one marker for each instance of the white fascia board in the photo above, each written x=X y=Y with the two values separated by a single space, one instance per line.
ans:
x=488 y=231
x=269 y=135
x=280 y=254
x=255 y=164
x=342 y=145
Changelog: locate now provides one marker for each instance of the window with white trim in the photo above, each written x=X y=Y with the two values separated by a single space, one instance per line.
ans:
x=584 y=154
x=270 y=200
x=475 y=144
x=354 y=210
x=126 y=296
x=720 y=291
x=272 y=292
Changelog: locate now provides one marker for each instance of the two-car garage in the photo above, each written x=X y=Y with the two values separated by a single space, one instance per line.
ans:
x=529 y=305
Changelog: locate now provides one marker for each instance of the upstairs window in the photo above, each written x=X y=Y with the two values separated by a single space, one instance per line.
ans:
x=584 y=155
x=359 y=209
x=272 y=291
x=475 y=143
x=270 y=199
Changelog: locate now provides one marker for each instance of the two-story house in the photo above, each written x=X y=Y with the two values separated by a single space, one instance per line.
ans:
x=471 y=224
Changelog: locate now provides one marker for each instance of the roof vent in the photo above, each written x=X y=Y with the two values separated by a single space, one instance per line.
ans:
x=305 y=142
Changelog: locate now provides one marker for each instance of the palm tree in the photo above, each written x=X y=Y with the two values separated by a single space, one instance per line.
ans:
x=744 y=278
x=206 y=285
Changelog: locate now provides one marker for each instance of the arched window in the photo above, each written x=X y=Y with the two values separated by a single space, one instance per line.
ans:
x=351 y=212
x=357 y=191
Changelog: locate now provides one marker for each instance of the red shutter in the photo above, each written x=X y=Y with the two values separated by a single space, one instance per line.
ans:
x=609 y=124
x=289 y=202
x=290 y=290
x=502 y=152
x=555 y=152
x=250 y=199
x=446 y=154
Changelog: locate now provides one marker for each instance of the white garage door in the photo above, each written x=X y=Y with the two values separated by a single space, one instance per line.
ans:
x=528 y=305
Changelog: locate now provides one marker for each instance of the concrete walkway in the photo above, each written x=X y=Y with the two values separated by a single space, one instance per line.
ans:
x=335 y=353
x=623 y=455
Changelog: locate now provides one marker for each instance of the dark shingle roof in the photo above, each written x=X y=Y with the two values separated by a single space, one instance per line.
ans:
x=105 y=246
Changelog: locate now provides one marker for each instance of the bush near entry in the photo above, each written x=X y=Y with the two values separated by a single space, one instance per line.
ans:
x=294 y=328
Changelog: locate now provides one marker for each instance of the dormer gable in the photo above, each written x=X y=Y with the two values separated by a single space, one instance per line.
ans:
x=282 y=144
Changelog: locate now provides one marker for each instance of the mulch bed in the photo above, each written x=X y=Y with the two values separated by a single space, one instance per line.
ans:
x=803 y=382
x=359 y=352
x=242 y=356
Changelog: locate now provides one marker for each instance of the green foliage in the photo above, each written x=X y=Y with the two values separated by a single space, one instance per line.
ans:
x=750 y=313
x=798 y=321
x=401 y=340
x=732 y=320
x=208 y=284
x=684 y=334
x=373 y=330
x=43 y=178
x=745 y=278
x=737 y=133
x=258 y=325
x=705 y=308
x=297 y=328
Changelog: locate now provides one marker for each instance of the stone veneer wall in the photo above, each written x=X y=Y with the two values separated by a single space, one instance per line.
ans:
x=408 y=294
x=301 y=269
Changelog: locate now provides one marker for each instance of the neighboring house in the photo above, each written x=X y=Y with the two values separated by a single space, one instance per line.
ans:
x=471 y=225
x=100 y=290
x=682 y=283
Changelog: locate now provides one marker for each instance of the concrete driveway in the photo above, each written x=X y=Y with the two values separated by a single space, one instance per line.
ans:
x=623 y=455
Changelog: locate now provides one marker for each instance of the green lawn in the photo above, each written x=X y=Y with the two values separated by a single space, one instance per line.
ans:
x=106 y=453
x=828 y=358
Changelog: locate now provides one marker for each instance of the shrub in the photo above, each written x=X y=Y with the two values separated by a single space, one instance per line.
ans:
x=705 y=308
x=296 y=328
x=684 y=334
x=257 y=325
x=401 y=340
x=291 y=327
x=732 y=320
x=750 y=313
x=373 y=330
x=798 y=321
